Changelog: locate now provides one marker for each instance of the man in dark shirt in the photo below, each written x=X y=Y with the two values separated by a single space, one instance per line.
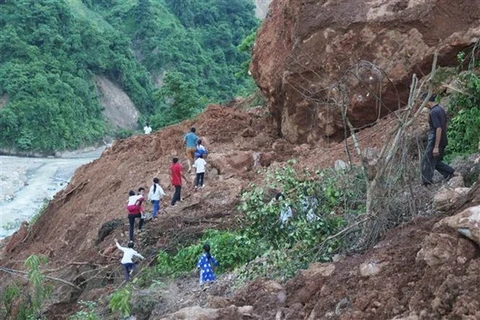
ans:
x=437 y=141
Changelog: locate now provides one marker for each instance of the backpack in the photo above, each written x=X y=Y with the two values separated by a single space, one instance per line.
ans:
x=199 y=152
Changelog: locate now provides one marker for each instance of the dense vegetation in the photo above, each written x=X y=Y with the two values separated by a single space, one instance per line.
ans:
x=464 y=107
x=52 y=50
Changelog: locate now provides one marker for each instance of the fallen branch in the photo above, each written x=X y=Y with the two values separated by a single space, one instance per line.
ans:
x=17 y=272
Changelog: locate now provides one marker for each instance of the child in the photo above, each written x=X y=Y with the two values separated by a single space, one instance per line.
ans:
x=200 y=165
x=200 y=150
x=135 y=210
x=127 y=262
x=156 y=193
x=206 y=263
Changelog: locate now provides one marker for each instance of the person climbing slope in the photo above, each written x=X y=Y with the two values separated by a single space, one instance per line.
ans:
x=200 y=165
x=135 y=210
x=127 y=259
x=155 y=194
x=190 y=141
x=200 y=150
x=176 y=175
x=206 y=264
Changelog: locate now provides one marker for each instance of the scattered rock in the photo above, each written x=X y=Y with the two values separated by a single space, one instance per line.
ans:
x=319 y=270
x=371 y=268
x=340 y=165
x=446 y=199
x=456 y=182
x=437 y=249
x=466 y=223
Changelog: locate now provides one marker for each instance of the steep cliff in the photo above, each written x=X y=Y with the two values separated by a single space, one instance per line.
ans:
x=312 y=56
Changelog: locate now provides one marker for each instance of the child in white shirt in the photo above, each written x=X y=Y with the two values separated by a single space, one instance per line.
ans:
x=200 y=166
x=127 y=261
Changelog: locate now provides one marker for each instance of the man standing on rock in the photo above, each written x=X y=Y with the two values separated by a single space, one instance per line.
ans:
x=190 y=141
x=177 y=175
x=437 y=141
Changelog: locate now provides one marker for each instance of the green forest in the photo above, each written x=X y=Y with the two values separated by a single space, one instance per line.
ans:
x=51 y=51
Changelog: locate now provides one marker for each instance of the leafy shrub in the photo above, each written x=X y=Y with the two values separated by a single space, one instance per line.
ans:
x=230 y=249
x=120 y=301
x=464 y=126
x=320 y=204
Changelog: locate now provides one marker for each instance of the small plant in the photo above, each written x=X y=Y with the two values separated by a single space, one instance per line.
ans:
x=120 y=301
x=9 y=295
x=87 y=313
x=41 y=292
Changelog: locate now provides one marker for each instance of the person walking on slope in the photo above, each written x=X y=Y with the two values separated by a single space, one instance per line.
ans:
x=190 y=141
x=135 y=210
x=437 y=141
x=200 y=165
x=206 y=264
x=127 y=260
x=177 y=175
x=154 y=195
x=200 y=150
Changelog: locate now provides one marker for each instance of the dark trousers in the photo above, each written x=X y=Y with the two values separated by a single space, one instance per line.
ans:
x=131 y=221
x=177 y=195
x=430 y=163
x=128 y=267
x=199 y=179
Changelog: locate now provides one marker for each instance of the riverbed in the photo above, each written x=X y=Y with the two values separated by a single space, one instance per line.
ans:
x=27 y=184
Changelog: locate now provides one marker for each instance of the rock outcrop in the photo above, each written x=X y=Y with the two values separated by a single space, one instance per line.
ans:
x=119 y=108
x=312 y=56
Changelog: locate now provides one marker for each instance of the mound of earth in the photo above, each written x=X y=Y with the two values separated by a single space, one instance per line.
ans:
x=311 y=56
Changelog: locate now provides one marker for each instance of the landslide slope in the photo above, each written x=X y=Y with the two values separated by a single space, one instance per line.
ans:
x=70 y=228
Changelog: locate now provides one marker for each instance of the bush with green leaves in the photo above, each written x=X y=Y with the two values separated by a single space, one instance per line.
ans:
x=320 y=204
x=29 y=299
x=229 y=248
x=120 y=301
x=464 y=127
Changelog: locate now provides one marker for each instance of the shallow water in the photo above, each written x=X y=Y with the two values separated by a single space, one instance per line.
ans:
x=26 y=183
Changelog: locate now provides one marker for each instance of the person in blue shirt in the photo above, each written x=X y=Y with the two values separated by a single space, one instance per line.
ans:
x=206 y=264
x=190 y=142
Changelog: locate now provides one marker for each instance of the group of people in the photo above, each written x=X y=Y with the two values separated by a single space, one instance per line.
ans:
x=196 y=154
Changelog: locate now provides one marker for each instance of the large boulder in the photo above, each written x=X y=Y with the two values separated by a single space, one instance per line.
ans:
x=311 y=55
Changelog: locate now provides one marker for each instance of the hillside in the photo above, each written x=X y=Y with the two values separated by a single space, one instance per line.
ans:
x=53 y=52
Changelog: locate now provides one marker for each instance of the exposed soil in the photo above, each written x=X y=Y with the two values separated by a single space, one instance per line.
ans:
x=77 y=229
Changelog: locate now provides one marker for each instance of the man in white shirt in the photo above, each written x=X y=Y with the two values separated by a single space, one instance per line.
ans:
x=147 y=129
x=127 y=261
x=200 y=166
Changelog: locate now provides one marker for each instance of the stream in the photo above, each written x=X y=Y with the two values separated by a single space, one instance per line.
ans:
x=26 y=184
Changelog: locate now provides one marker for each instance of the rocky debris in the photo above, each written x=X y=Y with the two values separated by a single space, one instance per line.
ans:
x=370 y=268
x=466 y=223
x=447 y=199
x=303 y=51
x=456 y=182
x=198 y=313
x=416 y=272
x=437 y=249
